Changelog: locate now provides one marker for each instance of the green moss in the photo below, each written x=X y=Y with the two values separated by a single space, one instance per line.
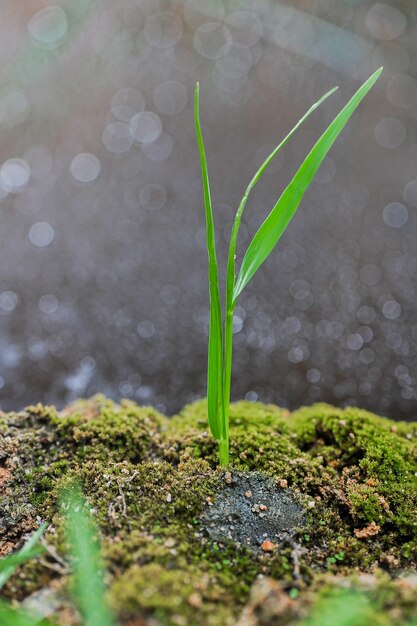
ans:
x=375 y=599
x=121 y=432
x=149 y=479
x=173 y=596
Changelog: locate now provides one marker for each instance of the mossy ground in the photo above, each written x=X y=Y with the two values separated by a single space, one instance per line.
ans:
x=149 y=479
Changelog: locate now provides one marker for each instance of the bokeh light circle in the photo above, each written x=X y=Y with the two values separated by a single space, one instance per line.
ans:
x=390 y=133
x=117 y=137
x=85 y=167
x=48 y=26
x=395 y=214
x=14 y=174
x=41 y=234
x=145 y=127
x=212 y=40
x=153 y=197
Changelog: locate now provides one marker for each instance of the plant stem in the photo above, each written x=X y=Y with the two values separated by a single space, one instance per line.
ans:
x=228 y=324
x=227 y=375
x=224 y=451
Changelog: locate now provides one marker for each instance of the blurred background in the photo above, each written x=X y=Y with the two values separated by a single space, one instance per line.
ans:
x=103 y=269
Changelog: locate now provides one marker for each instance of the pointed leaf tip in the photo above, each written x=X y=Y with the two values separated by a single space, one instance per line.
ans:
x=277 y=221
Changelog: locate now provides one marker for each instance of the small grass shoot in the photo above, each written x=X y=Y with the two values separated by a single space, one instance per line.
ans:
x=9 y=564
x=89 y=587
x=84 y=550
x=219 y=369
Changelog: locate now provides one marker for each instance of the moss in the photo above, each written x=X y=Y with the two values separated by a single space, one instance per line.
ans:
x=379 y=599
x=355 y=467
x=149 y=479
x=121 y=432
x=173 y=596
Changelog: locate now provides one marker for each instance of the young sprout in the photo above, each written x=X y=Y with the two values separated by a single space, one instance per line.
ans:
x=9 y=564
x=89 y=588
x=219 y=370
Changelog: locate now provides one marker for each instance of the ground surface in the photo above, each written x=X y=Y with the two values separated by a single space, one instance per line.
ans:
x=313 y=500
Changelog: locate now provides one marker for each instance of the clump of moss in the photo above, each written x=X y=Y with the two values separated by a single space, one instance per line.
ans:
x=149 y=479
x=359 y=472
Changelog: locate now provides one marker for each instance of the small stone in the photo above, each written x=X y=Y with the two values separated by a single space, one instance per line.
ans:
x=228 y=478
x=263 y=507
x=369 y=531
x=268 y=546
x=383 y=502
x=283 y=483
x=248 y=494
x=195 y=600
x=170 y=542
x=168 y=497
x=391 y=560
x=311 y=504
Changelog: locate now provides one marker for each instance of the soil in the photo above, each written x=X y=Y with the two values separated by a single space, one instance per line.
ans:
x=252 y=511
x=313 y=501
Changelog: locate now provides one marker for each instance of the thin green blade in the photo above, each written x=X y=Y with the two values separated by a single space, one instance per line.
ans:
x=215 y=343
x=275 y=224
x=341 y=609
x=10 y=616
x=255 y=179
x=230 y=276
x=9 y=564
x=286 y=139
x=85 y=551
x=14 y=560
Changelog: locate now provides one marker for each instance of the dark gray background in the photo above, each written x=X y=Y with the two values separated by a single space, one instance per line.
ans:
x=102 y=255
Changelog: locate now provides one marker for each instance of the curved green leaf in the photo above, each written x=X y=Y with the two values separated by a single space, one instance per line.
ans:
x=275 y=224
x=230 y=275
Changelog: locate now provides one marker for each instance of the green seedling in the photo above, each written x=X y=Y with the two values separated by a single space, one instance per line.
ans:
x=219 y=370
x=10 y=616
x=88 y=584
x=89 y=587
x=343 y=608
x=9 y=564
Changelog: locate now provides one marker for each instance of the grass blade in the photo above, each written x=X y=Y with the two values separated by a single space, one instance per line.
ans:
x=215 y=344
x=9 y=564
x=231 y=270
x=341 y=609
x=275 y=224
x=85 y=550
x=255 y=179
x=17 y=617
